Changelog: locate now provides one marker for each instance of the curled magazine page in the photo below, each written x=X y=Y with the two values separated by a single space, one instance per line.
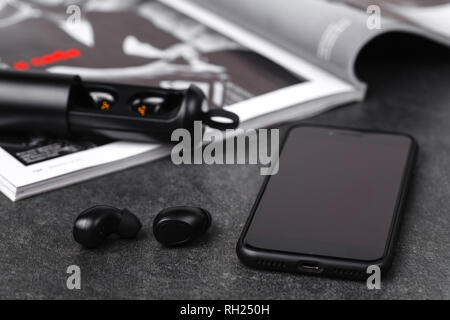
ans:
x=331 y=28
x=429 y=15
x=337 y=29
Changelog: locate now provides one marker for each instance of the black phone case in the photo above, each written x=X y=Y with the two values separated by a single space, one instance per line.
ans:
x=320 y=265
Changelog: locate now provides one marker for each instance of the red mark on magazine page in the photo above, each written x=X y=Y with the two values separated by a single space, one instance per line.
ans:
x=54 y=57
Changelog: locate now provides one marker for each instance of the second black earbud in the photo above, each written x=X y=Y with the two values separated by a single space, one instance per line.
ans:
x=93 y=225
x=178 y=226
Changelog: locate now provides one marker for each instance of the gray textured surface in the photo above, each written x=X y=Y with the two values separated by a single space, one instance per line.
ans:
x=36 y=244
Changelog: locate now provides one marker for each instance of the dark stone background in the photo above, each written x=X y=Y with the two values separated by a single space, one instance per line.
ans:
x=409 y=92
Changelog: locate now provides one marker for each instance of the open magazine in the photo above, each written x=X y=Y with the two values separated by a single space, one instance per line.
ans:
x=268 y=61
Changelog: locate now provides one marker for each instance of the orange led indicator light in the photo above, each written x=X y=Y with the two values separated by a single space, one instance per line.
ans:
x=142 y=109
x=105 y=105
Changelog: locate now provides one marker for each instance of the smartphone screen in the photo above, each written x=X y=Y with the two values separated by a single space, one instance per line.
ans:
x=335 y=194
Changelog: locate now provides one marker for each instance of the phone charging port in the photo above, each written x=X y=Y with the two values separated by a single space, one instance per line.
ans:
x=310 y=267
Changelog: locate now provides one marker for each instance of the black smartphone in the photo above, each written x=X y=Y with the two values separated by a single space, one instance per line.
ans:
x=334 y=206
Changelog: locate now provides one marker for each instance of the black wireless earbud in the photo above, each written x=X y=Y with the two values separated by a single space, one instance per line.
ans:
x=93 y=225
x=177 y=226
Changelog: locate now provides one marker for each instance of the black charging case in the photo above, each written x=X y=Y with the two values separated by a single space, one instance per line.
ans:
x=65 y=105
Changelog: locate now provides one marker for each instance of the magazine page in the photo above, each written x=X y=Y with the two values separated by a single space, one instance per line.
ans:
x=429 y=15
x=324 y=33
x=330 y=33
x=153 y=45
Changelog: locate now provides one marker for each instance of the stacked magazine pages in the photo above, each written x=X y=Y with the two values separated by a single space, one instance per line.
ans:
x=268 y=61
